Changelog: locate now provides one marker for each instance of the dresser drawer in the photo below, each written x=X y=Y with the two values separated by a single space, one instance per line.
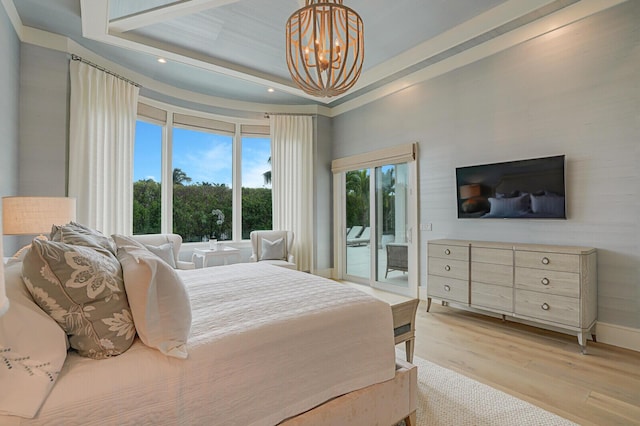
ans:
x=458 y=269
x=548 y=307
x=492 y=274
x=492 y=296
x=491 y=255
x=448 y=289
x=448 y=251
x=548 y=261
x=553 y=282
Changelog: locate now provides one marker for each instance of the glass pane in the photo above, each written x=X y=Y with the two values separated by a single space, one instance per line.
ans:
x=202 y=177
x=256 y=185
x=147 y=173
x=391 y=226
x=358 y=252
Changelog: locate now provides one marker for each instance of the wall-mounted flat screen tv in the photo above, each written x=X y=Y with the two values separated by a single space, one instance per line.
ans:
x=527 y=189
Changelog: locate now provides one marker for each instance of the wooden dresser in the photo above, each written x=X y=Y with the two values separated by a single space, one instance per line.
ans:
x=545 y=284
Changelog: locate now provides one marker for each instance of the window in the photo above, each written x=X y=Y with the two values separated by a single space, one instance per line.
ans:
x=147 y=178
x=220 y=174
x=202 y=185
x=256 y=185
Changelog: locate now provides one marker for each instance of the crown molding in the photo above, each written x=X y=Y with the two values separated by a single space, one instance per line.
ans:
x=545 y=25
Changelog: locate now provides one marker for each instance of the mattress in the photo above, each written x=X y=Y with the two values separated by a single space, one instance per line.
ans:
x=266 y=344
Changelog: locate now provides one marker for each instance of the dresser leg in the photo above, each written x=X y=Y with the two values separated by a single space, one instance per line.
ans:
x=582 y=341
x=428 y=303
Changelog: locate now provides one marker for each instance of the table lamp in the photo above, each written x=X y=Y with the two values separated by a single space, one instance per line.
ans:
x=35 y=215
x=4 y=301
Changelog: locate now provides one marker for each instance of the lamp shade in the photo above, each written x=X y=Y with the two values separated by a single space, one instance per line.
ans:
x=35 y=215
x=469 y=191
x=4 y=302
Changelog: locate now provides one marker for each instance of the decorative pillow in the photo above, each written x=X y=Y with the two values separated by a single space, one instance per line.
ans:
x=80 y=235
x=548 y=205
x=509 y=207
x=164 y=252
x=158 y=299
x=32 y=350
x=272 y=250
x=82 y=289
x=123 y=241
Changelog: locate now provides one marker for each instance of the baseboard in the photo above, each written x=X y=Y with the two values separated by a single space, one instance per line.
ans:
x=617 y=335
x=326 y=273
x=611 y=334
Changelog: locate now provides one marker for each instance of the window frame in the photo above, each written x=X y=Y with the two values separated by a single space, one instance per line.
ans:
x=152 y=111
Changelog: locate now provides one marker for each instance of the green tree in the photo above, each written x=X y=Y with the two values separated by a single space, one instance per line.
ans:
x=357 y=191
x=180 y=177
x=146 y=207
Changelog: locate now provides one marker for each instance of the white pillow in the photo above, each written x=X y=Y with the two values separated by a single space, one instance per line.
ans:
x=272 y=250
x=34 y=346
x=158 y=299
x=164 y=252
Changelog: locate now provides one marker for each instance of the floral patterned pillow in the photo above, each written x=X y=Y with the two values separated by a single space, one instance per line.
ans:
x=82 y=289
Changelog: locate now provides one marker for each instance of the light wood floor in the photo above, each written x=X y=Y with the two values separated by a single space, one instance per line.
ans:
x=539 y=366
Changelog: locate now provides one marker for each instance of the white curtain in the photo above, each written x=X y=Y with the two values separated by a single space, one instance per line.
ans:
x=292 y=182
x=101 y=137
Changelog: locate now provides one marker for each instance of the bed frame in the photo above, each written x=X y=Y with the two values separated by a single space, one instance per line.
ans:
x=385 y=403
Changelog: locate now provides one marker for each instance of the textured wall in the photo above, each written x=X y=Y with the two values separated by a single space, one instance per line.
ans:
x=9 y=82
x=44 y=121
x=573 y=91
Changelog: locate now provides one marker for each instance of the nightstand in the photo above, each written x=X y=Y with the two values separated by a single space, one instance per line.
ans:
x=403 y=310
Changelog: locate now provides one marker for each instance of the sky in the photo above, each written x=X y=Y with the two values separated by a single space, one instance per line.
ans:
x=204 y=157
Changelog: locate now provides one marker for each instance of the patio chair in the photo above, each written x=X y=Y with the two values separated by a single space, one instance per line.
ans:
x=397 y=254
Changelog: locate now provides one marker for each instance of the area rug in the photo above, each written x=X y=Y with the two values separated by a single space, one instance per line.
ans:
x=449 y=398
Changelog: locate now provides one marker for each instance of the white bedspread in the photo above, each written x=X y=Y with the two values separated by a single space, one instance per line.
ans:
x=266 y=344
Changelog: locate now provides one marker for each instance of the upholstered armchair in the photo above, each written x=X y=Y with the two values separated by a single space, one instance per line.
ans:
x=273 y=247
x=165 y=245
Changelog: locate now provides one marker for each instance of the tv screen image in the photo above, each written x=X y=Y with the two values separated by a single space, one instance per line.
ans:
x=523 y=189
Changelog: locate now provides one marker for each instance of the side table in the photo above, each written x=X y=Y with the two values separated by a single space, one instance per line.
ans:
x=206 y=254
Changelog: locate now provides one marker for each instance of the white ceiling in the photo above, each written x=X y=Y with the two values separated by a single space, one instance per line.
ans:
x=235 y=49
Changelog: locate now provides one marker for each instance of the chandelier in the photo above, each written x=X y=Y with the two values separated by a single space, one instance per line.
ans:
x=325 y=47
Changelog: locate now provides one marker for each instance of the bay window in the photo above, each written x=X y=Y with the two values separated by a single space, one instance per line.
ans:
x=218 y=175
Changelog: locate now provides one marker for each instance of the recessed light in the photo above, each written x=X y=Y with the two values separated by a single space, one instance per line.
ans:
x=271 y=90
x=162 y=60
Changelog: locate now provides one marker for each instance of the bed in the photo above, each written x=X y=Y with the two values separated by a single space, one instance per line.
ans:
x=266 y=346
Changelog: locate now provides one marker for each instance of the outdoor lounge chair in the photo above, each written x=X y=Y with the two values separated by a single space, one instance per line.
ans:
x=361 y=239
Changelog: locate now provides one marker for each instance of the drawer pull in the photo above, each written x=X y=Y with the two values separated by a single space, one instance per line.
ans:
x=447 y=288
x=447 y=268
x=447 y=252
x=545 y=306
x=545 y=281
x=545 y=261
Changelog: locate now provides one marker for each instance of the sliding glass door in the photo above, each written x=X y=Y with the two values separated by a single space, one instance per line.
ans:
x=379 y=211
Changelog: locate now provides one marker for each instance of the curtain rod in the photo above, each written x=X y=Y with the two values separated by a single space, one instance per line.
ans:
x=267 y=114
x=78 y=58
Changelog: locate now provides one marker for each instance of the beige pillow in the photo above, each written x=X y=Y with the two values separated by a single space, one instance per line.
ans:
x=34 y=348
x=82 y=289
x=163 y=251
x=159 y=301
x=80 y=235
